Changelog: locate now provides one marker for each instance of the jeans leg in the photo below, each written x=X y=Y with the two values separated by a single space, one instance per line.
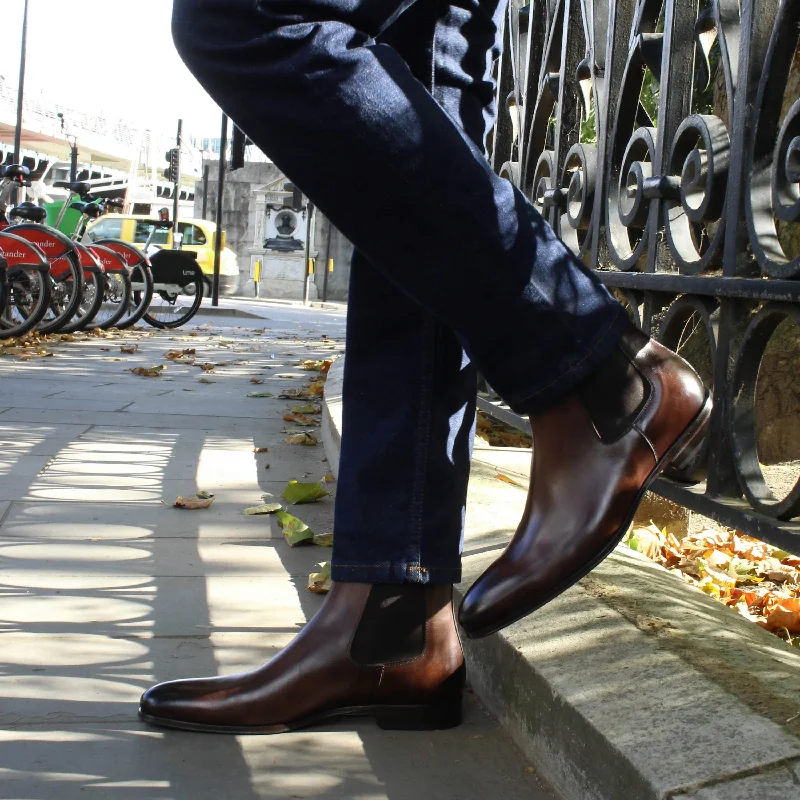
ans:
x=409 y=388
x=408 y=414
x=344 y=117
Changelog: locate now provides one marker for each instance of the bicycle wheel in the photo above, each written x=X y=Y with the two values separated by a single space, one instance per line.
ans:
x=66 y=274
x=141 y=279
x=26 y=286
x=89 y=306
x=178 y=289
x=117 y=292
x=66 y=292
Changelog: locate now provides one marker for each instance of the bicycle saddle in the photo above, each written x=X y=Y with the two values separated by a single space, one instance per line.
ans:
x=77 y=187
x=29 y=211
x=15 y=172
x=92 y=210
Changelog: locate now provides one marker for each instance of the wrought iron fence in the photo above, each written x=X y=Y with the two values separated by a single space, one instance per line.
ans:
x=661 y=140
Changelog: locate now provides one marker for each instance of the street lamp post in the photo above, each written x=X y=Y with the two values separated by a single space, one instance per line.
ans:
x=21 y=89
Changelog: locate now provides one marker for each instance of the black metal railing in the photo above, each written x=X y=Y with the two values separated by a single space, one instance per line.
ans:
x=661 y=140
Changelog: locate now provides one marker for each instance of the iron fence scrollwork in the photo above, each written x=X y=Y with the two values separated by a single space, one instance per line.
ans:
x=661 y=140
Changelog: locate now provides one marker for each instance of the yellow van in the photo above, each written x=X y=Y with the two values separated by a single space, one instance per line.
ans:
x=197 y=237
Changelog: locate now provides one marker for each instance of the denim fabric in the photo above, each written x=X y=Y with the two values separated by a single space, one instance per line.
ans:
x=378 y=109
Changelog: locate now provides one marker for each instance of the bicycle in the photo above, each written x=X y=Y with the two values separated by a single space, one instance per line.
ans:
x=26 y=285
x=107 y=290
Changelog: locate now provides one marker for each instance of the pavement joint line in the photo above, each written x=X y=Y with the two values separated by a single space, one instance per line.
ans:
x=759 y=769
x=5 y=514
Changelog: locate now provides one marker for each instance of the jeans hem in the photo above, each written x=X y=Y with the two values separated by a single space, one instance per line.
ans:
x=543 y=397
x=394 y=572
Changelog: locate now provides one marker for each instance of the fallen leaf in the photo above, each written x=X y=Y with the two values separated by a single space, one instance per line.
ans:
x=308 y=408
x=128 y=349
x=260 y=449
x=320 y=582
x=329 y=478
x=260 y=394
x=301 y=419
x=256 y=380
x=175 y=355
x=323 y=539
x=193 y=502
x=786 y=615
x=646 y=541
x=149 y=372
x=266 y=508
x=506 y=479
x=204 y=380
x=204 y=495
x=306 y=439
x=295 y=531
x=297 y=493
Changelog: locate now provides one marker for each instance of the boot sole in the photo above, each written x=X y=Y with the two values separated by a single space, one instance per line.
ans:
x=680 y=454
x=436 y=717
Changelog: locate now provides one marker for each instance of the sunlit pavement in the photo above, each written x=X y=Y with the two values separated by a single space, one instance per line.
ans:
x=107 y=588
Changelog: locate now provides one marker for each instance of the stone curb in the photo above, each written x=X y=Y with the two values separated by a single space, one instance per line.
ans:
x=631 y=685
x=220 y=311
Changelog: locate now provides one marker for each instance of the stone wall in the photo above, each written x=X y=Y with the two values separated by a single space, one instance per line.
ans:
x=341 y=251
x=238 y=210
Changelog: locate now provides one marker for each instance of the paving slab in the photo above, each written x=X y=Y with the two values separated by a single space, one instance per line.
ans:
x=338 y=762
x=771 y=784
x=131 y=521
x=59 y=563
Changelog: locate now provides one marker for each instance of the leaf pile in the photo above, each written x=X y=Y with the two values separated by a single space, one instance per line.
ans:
x=752 y=577
x=498 y=434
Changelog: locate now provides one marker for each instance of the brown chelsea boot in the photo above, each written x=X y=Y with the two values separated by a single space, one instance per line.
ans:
x=387 y=651
x=594 y=455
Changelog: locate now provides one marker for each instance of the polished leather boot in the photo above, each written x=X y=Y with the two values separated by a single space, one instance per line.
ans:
x=390 y=652
x=591 y=468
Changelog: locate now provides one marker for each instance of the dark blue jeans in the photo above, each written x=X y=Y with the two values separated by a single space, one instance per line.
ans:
x=378 y=110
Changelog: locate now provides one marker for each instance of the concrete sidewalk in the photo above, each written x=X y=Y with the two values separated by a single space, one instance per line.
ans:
x=632 y=685
x=107 y=588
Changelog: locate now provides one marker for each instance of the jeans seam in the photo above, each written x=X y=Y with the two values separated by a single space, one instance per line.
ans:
x=577 y=364
x=423 y=442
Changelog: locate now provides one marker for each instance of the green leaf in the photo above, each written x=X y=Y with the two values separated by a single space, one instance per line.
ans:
x=267 y=508
x=295 y=531
x=203 y=495
x=320 y=582
x=260 y=394
x=323 y=539
x=297 y=493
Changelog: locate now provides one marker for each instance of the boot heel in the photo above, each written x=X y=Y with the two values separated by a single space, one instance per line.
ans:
x=691 y=442
x=434 y=717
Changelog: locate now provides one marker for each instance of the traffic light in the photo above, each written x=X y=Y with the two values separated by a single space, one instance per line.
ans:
x=296 y=200
x=173 y=158
x=238 y=144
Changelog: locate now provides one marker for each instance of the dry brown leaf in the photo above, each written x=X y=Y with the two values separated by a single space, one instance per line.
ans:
x=193 y=502
x=306 y=439
x=301 y=419
x=506 y=479
x=256 y=380
x=124 y=349
x=260 y=449
x=149 y=372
